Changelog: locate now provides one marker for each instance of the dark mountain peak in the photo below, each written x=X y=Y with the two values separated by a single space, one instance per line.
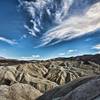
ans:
x=94 y=58
x=89 y=57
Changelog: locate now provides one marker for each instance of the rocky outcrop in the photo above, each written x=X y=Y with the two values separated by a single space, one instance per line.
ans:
x=49 y=75
x=87 y=88
x=27 y=74
x=18 y=91
x=61 y=75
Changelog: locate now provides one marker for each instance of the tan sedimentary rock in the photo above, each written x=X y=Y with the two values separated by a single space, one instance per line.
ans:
x=18 y=91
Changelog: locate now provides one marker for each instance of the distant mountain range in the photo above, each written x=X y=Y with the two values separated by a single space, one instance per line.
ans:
x=95 y=58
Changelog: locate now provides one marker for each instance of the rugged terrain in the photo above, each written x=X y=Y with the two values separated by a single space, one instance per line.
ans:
x=27 y=80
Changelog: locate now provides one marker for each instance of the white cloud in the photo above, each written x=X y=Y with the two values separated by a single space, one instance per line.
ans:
x=36 y=11
x=36 y=56
x=11 y=42
x=61 y=54
x=72 y=27
x=31 y=31
x=75 y=26
x=70 y=51
x=97 y=47
x=23 y=37
x=33 y=57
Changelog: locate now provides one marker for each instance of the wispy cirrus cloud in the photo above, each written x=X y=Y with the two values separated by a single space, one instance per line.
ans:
x=11 y=42
x=44 y=14
x=75 y=26
x=41 y=13
x=30 y=31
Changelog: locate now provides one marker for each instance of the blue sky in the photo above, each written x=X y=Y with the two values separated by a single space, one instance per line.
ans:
x=30 y=32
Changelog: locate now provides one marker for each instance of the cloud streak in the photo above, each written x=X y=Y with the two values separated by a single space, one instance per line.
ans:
x=75 y=26
x=43 y=13
x=60 y=20
x=11 y=42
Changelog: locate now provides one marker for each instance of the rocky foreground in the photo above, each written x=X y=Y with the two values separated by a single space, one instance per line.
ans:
x=75 y=78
